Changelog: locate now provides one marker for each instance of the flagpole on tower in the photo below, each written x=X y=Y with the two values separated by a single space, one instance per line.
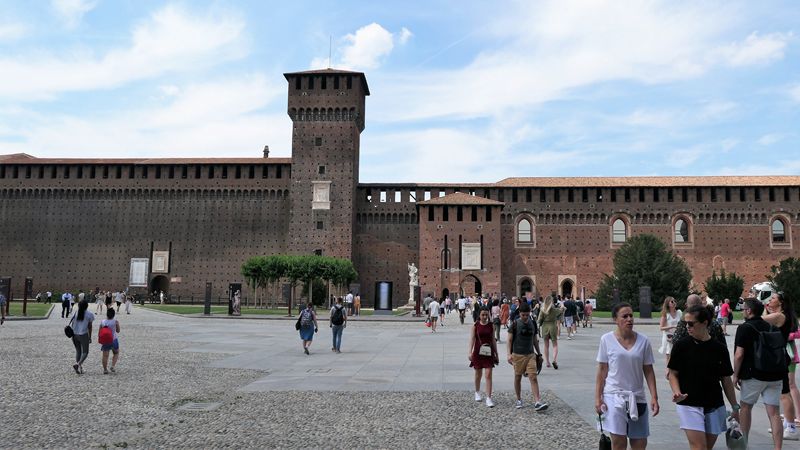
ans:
x=330 y=49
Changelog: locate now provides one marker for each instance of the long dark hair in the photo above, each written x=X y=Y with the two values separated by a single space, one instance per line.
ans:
x=788 y=311
x=83 y=305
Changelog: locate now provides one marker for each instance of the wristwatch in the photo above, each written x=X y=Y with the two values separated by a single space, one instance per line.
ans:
x=736 y=407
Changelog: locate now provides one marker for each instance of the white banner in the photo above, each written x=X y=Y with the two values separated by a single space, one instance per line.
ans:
x=138 y=276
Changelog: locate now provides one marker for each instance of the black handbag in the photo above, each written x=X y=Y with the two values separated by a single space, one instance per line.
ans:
x=297 y=324
x=68 y=329
x=605 y=441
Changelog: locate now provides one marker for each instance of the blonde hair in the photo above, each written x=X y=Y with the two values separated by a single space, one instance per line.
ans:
x=665 y=306
x=548 y=304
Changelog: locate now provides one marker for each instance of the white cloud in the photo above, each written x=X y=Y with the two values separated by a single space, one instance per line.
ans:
x=367 y=48
x=170 y=40
x=794 y=92
x=71 y=12
x=12 y=31
x=212 y=119
x=756 y=49
x=542 y=51
x=770 y=138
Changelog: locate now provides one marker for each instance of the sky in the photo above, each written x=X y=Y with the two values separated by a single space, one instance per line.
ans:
x=461 y=91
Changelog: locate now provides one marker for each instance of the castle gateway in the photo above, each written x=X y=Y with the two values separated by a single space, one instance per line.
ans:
x=78 y=223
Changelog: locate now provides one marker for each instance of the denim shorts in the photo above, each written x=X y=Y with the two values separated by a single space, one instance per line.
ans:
x=114 y=346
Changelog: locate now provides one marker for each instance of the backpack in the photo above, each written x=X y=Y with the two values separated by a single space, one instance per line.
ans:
x=105 y=336
x=768 y=351
x=338 y=316
x=306 y=320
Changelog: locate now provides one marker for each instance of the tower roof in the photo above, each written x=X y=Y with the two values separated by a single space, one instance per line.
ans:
x=330 y=71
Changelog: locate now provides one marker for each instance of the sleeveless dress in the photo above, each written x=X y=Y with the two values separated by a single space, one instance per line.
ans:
x=483 y=335
x=672 y=321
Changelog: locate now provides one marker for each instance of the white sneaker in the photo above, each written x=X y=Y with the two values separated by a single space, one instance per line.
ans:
x=790 y=434
x=518 y=404
x=489 y=402
x=478 y=397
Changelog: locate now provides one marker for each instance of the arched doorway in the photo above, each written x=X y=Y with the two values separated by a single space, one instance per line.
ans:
x=470 y=285
x=525 y=285
x=566 y=288
x=159 y=283
x=445 y=293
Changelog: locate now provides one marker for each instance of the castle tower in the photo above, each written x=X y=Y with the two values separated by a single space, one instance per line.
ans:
x=327 y=112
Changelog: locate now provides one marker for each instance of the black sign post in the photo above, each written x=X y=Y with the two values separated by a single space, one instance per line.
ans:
x=207 y=308
x=28 y=292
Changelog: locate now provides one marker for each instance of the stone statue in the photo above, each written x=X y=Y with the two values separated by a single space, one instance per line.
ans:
x=412 y=275
x=413 y=281
x=237 y=303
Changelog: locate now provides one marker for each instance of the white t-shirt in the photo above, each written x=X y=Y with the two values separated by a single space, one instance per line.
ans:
x=462 y=303
x=434 y=306
x=625 y=366
x=348 y=298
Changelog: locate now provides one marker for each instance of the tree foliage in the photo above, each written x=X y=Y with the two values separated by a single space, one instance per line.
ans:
x=786 y=278
x=644 y=260
x=258 y=271
x=726 y=285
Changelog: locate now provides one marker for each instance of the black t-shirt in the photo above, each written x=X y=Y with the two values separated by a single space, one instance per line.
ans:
x=746 y=335
x=571 y=308
x=700 y=366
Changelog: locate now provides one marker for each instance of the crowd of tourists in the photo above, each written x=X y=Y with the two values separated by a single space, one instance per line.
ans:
x=700 y=372
x=101 y=299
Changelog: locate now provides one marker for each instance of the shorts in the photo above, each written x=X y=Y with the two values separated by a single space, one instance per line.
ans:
x=524 y=364
x=616 y=420
x=770 y=392
x=694 y=418
x=569 y=320
x=114 y=346
x=434 y=318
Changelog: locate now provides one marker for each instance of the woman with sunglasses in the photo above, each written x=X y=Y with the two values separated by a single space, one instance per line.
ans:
x=699 y=372
x=625 y=359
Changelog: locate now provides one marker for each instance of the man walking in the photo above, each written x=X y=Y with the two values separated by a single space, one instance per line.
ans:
x=348 y=301
x=65 y=304
x=426 y=305
x=570 y=311
x=524 y=355
x=462 y=308
x=49 y=297
x=338 y=319
x=434 y=307
x=2 y=309
x=754 y=373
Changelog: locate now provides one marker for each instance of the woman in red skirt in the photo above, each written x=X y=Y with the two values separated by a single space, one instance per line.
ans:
x=483 y=355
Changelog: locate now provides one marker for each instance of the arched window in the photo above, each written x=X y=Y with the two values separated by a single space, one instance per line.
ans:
x=778 y=231
x=618 y=231
x=681 y=231
x=524 y=231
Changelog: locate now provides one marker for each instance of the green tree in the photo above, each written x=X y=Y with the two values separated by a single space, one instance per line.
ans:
x=786 y=278
x=726 y=285
x=644 y=260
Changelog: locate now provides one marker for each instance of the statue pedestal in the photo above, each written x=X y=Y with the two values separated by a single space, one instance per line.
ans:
x=411 y=299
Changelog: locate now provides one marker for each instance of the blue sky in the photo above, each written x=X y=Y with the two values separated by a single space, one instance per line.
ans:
x=461 y=91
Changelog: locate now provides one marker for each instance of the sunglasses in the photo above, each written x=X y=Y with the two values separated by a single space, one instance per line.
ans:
x=690 y=323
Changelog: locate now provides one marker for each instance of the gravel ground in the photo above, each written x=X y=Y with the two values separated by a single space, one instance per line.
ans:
x=45 y=404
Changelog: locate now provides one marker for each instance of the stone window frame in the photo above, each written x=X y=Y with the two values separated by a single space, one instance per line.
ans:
x=787 y=231
x=626 y=220
x=686 y=217
x=525 y=244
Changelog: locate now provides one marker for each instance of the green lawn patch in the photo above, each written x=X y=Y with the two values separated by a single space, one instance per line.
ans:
x=34 y=309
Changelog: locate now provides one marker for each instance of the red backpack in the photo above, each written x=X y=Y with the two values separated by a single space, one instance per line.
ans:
x=105 y=336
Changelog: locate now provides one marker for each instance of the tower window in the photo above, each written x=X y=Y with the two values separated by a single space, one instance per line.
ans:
x=238 y=173
x=613 y=194
x=655 y=195
x=584 y=195
x=184 y=172
x=297 y=83
x=670 y=195
x=349 y=82
x=599 y=195
x=430 y=213
x=321 y=170
x=641 y=194
x=488 y=213
x=727 y=194
x=627 y=194
x=772 y=194
x=80 y=171
x=685 y=195
x=556 y=195
x=524 y=231
x=224 y=171
x=210 y=171
x=310 y=83
x=264 y=171
x=713 y=194
x=527 y=195
x=778 y=231
x=474 y=217
x=278 y=171
x=105 y=171
x=445 y=213
x=460 y=214
x=318 y=141
x=698 y=194
x=320 y=225
x=742 y=195
x=542 y=196
x=324 y=82
x=618 y=231
x=681 y=231
x=158 y=172
x=570 y=195
x=251 y=172
x=197 y=172
x=336 y=82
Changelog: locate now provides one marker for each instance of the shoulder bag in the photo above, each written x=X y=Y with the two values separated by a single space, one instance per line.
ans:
x=68 y=329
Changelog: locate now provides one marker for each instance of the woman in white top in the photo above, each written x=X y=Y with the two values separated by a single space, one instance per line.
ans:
x=625 y=360
x=670 y=316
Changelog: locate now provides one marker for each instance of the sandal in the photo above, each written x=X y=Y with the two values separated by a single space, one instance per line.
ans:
x=555 y=365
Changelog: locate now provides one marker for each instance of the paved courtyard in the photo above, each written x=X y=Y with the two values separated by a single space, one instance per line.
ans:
x=395 y=385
